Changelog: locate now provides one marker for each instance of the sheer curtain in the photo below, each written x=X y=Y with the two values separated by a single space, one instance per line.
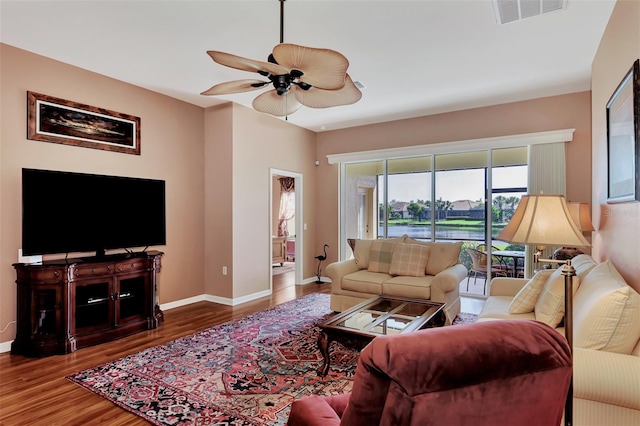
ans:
x=287 y=204
x=547 y=173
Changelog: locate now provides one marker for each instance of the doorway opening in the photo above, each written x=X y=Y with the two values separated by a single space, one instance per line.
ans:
x=285 y=229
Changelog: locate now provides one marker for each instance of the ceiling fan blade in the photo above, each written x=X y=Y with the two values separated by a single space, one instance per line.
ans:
x=272 y=103
x=321 y=98
x=246 y=64
x=237 y=86
x=323 y=68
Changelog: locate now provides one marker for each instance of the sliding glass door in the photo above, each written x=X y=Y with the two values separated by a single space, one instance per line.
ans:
x=466 y=197
x=406 y=200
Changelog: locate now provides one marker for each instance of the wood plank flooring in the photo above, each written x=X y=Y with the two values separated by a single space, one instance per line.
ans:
x=34 y=391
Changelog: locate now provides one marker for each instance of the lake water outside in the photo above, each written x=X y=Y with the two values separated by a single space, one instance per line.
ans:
x=424 y=232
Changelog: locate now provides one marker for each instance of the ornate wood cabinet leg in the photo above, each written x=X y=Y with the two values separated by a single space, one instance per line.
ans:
x=323 y=344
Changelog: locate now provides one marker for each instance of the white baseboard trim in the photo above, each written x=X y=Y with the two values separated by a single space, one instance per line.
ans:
x=215 y=299
x=312 y=280
x=239 y=300
x=183 y=302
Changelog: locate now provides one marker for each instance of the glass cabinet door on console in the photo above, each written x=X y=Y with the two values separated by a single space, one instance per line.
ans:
x=44 y=310
x=131 y=291
x=46 y=315
x=92 y=309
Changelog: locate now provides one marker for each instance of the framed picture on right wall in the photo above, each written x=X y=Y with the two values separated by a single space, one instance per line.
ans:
x=623 y=139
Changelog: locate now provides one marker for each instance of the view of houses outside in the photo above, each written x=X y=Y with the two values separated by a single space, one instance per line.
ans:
x=460 y=219
x=459 y=207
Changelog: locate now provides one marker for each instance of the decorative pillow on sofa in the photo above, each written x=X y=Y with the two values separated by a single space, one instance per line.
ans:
x=550 y=305
x=525 y=301
x=441 y=255
x=380 y=255
x=361 y=250
x=409 y=260
x=606 y=312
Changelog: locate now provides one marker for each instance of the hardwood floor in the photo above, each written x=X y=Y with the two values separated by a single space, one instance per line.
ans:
x=34 y=391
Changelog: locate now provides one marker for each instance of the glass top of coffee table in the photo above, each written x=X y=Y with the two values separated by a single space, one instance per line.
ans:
x=388 y=315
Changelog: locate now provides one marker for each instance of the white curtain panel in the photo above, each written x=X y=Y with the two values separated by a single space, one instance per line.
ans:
x=547 y=174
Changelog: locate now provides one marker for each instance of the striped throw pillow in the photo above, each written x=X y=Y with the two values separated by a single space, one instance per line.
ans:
x=409 y=260
x=525 y=301
x=550 y=305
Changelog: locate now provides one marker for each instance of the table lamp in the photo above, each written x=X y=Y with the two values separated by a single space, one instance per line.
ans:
x=581 y=215
x=545 y=220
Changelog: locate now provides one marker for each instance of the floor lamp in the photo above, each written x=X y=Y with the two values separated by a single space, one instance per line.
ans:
x=545 y=220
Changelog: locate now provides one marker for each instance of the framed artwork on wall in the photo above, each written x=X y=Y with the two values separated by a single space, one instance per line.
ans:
x=57 y=120
x=623 y=139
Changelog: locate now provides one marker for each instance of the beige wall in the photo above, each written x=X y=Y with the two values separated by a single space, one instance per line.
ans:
x=218 y=239
x=172 y=147
x=260 y=143
x=617 y=235
x=552 y=113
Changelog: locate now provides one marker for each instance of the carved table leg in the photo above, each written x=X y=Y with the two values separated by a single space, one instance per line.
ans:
x=323 y=345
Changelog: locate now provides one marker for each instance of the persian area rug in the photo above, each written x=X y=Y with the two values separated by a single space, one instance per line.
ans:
x=244 y=372
x=465 y=318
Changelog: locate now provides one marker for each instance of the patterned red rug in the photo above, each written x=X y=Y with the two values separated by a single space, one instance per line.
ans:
x=244 y=372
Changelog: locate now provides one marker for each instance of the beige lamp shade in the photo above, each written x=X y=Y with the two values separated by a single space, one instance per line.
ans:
x=543 y=220
x=581 y=215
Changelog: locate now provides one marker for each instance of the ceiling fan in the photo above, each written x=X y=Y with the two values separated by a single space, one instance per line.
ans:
x=317 y=78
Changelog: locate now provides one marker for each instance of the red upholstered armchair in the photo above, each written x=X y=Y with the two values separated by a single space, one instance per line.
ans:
x=507 y=372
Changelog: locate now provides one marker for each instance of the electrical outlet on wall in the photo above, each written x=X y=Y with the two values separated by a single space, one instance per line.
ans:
x=224 y=270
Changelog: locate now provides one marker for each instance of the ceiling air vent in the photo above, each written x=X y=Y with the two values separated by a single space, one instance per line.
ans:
x=516 y=10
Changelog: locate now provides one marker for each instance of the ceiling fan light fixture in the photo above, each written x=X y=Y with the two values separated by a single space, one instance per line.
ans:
x=272 y=103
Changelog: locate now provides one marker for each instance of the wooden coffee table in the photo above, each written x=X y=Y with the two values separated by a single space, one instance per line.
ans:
x=379 y=316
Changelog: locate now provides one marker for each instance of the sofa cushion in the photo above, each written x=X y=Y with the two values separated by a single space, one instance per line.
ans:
x=441 y=255
x=364 y=281
x=409 y=260
x=606 y=312
x=550 y=305
x=497 y=307
x=525 y=300
x=405 y=286
x=380 y=255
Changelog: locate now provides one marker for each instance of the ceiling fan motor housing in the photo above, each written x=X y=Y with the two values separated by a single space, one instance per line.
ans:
x=282 y=83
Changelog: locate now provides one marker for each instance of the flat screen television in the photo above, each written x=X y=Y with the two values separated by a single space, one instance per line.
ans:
x=65 y=212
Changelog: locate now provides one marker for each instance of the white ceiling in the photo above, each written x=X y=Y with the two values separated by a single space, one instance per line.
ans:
x=414 y=57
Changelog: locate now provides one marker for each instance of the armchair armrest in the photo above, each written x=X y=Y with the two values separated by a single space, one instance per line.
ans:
x=606 y=377
x=318 y=410
x=501 y=286
x=336 y=270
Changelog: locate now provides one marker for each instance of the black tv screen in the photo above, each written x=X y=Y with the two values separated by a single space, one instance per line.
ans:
x=64 y=212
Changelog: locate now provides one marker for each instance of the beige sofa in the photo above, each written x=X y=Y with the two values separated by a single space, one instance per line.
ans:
x=606 y=334
x=398 y=267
